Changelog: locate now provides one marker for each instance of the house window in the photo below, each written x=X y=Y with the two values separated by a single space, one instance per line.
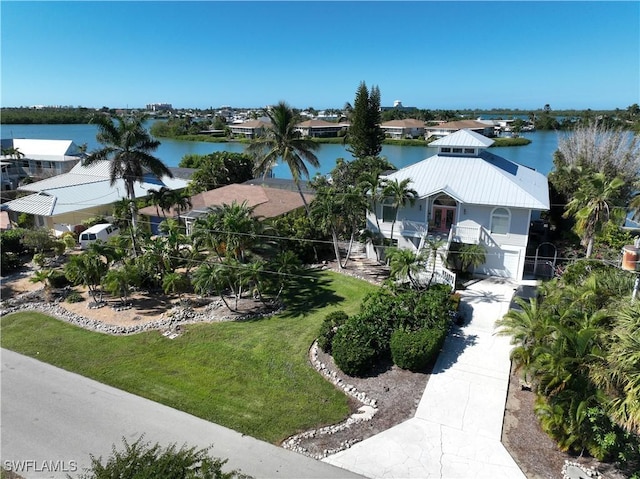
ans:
x=457 y=150
x=446 y=150
x=388 y=212
x=469 y=151
x=500 y=221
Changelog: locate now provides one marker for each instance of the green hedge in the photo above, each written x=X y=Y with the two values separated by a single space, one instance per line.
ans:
x=354 y=348
x=414 y=350
x=328 y=329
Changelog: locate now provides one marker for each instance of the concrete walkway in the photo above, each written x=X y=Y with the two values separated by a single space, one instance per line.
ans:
x=457 y=427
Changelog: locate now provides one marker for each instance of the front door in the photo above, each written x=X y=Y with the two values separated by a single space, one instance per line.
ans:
x=443 y=218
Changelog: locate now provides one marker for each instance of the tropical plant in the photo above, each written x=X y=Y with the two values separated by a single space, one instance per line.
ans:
x=87 y=269
x=175 y=283
x=283 y=141
x=593 y=205
x=128 y=147
x=119 y=281
x=399 y=194
x=143 y=460
x=404 y=265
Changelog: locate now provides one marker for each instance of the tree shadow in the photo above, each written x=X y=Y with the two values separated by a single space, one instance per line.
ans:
x=455 y=344
x=312 y=291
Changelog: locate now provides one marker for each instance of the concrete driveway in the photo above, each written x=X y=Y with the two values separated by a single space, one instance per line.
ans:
x=457 y=427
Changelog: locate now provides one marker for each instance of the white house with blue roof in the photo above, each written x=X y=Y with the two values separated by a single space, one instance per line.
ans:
x=467 y=194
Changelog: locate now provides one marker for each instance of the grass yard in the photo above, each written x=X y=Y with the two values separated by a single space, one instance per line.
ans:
x=250 y=376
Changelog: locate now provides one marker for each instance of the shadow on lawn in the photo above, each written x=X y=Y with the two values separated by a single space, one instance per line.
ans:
x=312 y=291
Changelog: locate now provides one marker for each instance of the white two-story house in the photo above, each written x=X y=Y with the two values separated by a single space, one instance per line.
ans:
x=467 y=194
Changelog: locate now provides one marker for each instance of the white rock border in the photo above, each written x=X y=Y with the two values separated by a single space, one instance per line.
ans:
x=365 y=413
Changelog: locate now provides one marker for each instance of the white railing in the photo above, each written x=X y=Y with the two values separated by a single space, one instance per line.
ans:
x=465 y=234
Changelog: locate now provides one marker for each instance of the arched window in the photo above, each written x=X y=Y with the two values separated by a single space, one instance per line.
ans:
x=500 y=221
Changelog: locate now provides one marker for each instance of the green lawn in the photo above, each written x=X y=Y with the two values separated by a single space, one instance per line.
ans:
x=251 y=376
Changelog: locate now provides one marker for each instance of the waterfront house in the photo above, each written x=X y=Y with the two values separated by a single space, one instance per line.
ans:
x=399 y=129
x=268 y=201
x=249 y=129
x=62 y=202
x=444 y=129
x=320 y=128
x=466 y=194
x=38 y=159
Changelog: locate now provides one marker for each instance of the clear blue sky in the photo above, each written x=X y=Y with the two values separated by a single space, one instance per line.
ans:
x=247 y=54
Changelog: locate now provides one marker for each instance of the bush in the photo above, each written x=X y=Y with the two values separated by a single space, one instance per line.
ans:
x=144 y=460
x=74 y=297
x=9 y=262
x=11 y=241
x=329 y=327
x=58 y=280
x=354 y=348
x=39 y=259
x=414 y=350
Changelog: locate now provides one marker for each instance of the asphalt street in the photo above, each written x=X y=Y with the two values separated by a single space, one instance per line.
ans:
x=52 y=420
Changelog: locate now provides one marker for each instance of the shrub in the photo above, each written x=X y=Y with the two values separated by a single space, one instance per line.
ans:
x=39 y=259
x=11 y=241
x=74 y=297
x=144 y=460
x=57 y=279
x=354 y=348
x=329 y=327
x=9 y=262
x=414 y=350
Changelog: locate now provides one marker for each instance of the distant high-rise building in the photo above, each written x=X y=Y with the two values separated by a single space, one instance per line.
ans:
x=159 y=107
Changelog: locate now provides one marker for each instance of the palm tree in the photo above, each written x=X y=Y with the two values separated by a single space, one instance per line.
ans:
x=88 y=269
x=282 y=140
x=162 y=199
x=370 y=184
x=399 y=193
x=404 y=263
x=593 y=205
x=128 y=146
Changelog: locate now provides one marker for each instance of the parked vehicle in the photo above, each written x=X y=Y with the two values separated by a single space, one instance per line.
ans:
x=97 y=232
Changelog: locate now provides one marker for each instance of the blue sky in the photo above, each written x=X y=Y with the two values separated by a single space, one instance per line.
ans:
x=427 y=54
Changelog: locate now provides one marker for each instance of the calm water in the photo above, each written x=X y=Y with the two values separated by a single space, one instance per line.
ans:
x=538 y=154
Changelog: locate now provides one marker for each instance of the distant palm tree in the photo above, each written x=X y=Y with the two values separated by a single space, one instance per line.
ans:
x=128 y=146
x=283 y=141
x=399 y=193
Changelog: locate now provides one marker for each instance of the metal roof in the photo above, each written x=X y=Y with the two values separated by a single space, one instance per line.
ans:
x=486 y=179
x=462 y=138
x=83 y=187
x=47 y=150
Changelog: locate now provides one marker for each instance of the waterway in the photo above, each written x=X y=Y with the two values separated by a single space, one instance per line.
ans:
x=537 y=155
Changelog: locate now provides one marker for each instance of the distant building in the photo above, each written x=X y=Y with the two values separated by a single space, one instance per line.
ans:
x=444 y=129
x=397 y=105
x=319 y=128
x=249 y=129
x=399 y=129
x=38 y=159
x=159 y=107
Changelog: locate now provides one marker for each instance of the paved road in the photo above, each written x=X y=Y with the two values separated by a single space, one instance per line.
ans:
x=56 y=419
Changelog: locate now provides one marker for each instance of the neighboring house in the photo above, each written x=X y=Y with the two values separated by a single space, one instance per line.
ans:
x=468 y=195
x=319 y=128
x=38 y=159
x=249 y=129
x=444 y=129
x=399 y=129
x=62 y=202
x=269 y=202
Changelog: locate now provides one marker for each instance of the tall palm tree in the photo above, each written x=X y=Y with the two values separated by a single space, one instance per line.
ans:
x=282 y=140
x=400 y=194
x=371 y=186
x=128 y=146
x=593 y=205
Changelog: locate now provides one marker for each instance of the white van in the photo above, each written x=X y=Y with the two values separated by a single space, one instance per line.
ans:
x=97 y=232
